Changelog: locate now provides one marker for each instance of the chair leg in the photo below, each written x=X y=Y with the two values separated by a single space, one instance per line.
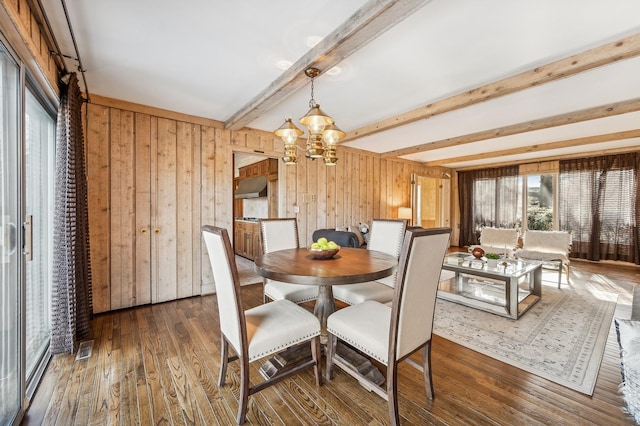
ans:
x=332 y=341
x=392 y=393
x=316 y=355
x=243 y=402
x=224 y=360
x=426 y=366
x=559 y=273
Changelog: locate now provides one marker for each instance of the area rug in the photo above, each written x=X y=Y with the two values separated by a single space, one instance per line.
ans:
x=561 y=338
x=246 y=271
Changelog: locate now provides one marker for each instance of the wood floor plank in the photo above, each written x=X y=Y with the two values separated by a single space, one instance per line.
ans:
x=157 y=405
x=159 y=364
x=128 y=386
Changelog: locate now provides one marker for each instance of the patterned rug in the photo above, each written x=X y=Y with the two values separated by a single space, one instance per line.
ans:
x=561 y=338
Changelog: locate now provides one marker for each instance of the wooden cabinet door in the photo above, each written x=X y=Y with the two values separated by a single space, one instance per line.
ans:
x=145 y=187
x=238 y=240
x=175 y=207
x=257 y=249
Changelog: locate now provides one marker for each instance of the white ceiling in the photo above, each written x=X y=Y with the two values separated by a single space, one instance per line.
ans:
x=211 y=58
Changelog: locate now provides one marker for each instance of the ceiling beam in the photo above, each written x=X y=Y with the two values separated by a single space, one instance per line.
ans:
x=608 y=151
x=588 y=140
x=528 y=126
x=371 y=20
x=624 y=48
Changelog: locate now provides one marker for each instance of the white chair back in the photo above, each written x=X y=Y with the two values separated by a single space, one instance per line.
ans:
x=278 y=234
x=225 y=275
x=415 y=295
x=499 y=237
x=386 y=235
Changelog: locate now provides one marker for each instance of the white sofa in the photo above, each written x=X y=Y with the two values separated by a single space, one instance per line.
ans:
x=498 y=240
x=628 y=334
x=547 y=246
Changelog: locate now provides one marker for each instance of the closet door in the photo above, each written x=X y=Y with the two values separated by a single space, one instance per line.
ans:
x=123 y=187
x=144 y=208
x=175 y=210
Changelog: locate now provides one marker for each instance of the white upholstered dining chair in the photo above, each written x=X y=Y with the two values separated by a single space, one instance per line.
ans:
x=390 y=334
x=280 y=234
x=258 y=332
x=386 y=235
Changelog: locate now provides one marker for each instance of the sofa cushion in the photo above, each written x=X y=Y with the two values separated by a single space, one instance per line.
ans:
x=628 y=334
x=358 y=234
x=341 y=238
x=547 y=241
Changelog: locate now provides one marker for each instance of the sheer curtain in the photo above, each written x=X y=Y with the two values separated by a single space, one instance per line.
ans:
x=599 y=199
x=72 y=305
x=488 y=197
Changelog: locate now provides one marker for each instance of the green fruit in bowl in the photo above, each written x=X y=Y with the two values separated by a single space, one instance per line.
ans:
x=322 y=241
x=332 y=245
x=315 y=246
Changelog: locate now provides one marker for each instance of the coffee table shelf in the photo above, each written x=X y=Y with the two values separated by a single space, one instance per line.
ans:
x=508 y=289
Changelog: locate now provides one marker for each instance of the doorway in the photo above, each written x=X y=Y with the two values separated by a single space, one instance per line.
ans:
x=430 y=201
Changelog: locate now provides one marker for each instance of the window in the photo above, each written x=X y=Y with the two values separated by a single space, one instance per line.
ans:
x=597 y=204
x=539 y=202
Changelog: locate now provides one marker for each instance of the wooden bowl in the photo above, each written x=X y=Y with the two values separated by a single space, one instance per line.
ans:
x=323 y=254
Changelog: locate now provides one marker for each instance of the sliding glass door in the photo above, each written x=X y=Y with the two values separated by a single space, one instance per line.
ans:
x=39 y=143
x=27 y=130
x=10 y=368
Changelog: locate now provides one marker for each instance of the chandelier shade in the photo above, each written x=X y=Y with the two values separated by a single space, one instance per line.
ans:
x=332 y=134
x=322 y=133
x=288 y=132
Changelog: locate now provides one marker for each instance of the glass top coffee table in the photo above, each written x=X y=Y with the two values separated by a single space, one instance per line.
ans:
x=508 y=289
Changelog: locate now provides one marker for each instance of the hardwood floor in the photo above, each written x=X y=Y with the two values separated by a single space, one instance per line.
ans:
x=158 y=364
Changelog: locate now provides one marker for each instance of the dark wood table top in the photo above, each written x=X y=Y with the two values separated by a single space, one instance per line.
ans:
x=349 y=266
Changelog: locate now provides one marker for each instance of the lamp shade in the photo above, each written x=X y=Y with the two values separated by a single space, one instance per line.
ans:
x=288 y=132
x=316 y=120
x=332 y=134
x=404 y=213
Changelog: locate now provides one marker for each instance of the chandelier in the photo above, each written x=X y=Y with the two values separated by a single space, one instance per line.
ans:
x=322 y=133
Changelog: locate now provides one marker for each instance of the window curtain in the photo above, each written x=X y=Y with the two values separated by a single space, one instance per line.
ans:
x=487 y=197
x=72 y=305
x=599 y=205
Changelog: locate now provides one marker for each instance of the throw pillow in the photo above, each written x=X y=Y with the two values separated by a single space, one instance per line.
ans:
x=356 y=231
x=628 y=333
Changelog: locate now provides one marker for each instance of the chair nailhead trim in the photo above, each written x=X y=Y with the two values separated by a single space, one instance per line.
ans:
x=358 y=346
x=283 y=346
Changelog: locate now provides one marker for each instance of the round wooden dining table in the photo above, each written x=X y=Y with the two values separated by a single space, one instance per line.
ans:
x=349 y=266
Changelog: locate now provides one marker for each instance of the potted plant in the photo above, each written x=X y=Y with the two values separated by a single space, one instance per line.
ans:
x=492 y=259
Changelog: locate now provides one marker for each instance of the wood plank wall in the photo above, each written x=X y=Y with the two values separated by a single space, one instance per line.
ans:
x=26 y=24
x=150 y=168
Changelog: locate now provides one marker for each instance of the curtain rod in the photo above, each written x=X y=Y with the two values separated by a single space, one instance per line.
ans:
x=75 y=46
x=43 y=21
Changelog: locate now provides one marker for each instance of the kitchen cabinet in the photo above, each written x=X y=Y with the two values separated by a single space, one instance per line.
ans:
x=247 y=239
x=268 y=167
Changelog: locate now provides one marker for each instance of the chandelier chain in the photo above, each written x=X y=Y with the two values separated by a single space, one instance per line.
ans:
x=312 y=102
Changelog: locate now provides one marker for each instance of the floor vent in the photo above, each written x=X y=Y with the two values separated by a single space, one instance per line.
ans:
x=85 y=350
